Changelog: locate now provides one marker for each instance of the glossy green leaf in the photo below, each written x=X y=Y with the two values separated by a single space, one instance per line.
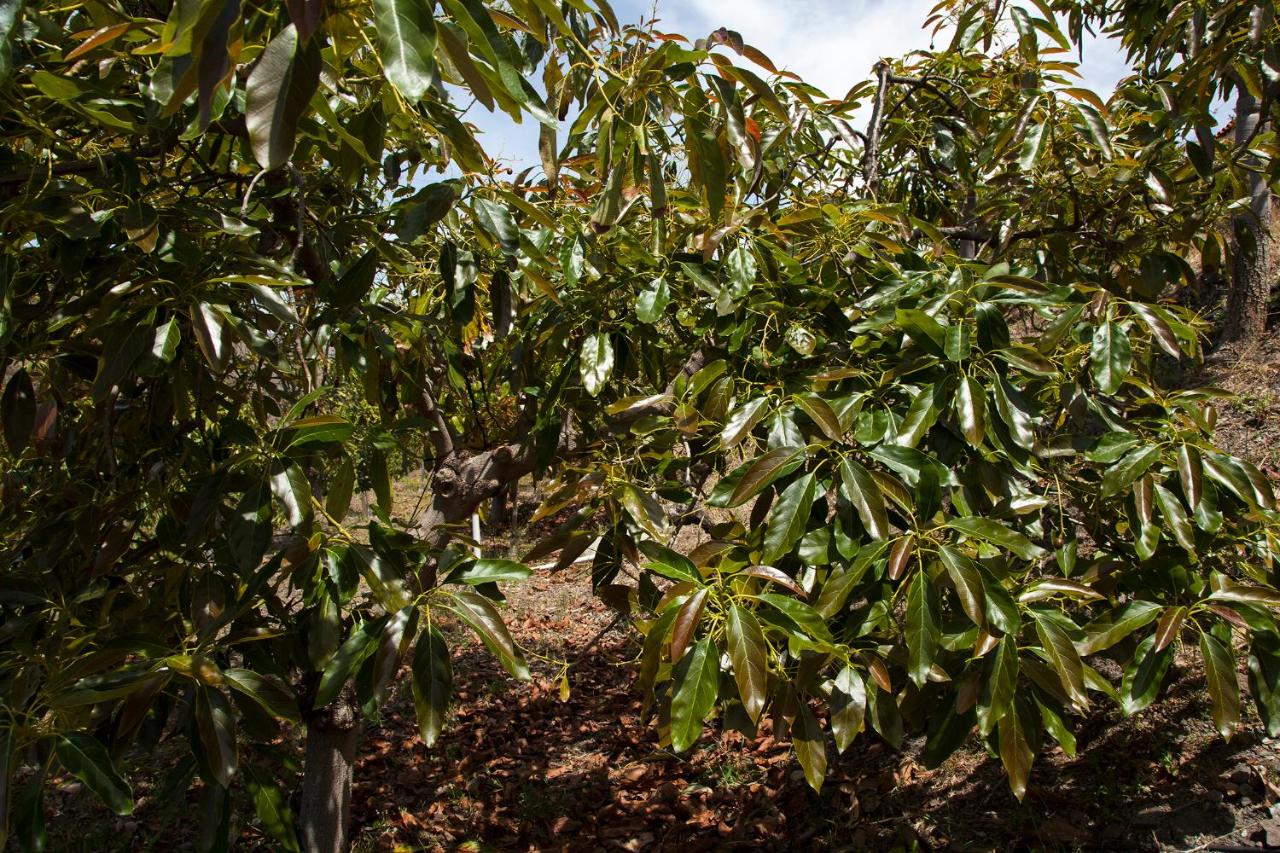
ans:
x=1220 y=676
x=85 y=758
x=432 y=683
x=749 y=655
x=695 y=681
x=277 y=95
x=788 y=518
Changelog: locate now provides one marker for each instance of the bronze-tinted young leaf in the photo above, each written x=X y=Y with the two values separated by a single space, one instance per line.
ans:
x=749 y=654
x=432 y=683
x=742 y=420
x=1169 y=627
x=1220 y=677
x=1016 y=753
x=810 y=745
x=686 y=624
x=695 y=681
x=773 y=575
x=899 y=556
x=821 y=413
x=278 y=93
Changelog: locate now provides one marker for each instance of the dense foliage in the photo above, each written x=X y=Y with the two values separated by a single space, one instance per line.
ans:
x=906 y=380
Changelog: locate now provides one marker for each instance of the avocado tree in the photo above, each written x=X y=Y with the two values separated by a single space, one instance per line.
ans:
x=223 y=310
x=1195 y=56
x=915 y=406
x=903 y=377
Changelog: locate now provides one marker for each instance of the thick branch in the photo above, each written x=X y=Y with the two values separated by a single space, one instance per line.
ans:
x=869 y=157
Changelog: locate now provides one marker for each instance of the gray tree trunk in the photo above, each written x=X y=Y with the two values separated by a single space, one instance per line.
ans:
x=1246 y=319
x=324 y=814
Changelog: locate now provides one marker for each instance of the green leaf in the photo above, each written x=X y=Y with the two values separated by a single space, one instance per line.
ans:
x=804 y=617
x=749 y=654
x=18 y=408
x=490 y=571
x=848 y=706
x=278 y=93
x=1224 y=690
x=695 y=680
x=432 y=683
x=1063 y=657
x=971 y=410
x=760 y=473
x=216 y=726
x=860 y=489
x=274 y=814
x=967 y=582
x=997 y=534
x=293 y=491
x=267 y=690
x=1110 y=357
x=1264 y=680
x=478 y=612
x=1096 y=127
x=922 y=631
x=318 y=429
x=496 y=218
x=1144 y=675
x=1032 y=147
x=1130 y=467
x=406 y=43
x=1112 y=627
x=652 y=301
x=350 y=655
x=1000 y=679
x=87 y=759
x=1176 y=519
x=595 y=363
x=810 y=746
x=742 y=419
x=788 y=518
x=337 y=502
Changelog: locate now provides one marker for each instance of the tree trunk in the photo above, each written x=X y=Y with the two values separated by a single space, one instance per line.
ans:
x=1246 y=318
x=324 y=814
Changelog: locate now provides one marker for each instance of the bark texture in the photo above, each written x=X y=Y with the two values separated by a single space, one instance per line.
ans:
x=1246 y=319
x=324 y=813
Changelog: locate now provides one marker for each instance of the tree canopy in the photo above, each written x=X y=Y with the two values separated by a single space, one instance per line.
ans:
x=909 y=379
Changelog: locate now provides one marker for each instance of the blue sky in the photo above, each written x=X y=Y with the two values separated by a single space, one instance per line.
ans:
x=829 y=43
